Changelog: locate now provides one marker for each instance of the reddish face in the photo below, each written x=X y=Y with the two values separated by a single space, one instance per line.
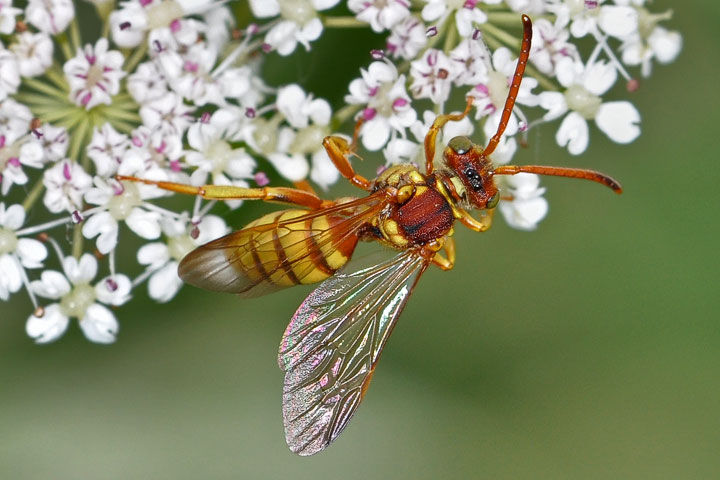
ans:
x=474 y=169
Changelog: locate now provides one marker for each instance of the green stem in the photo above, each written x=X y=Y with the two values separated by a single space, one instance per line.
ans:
x=33 y=195
x=344 y=114
x=122 y=127
x=130 y=116
x=78 y=139
x=75 y=34
x=77 y=249
x=45 y=88
x=450 y=39
x=51 y=115
x=58 y=77
x=506 y=18
x=35 y=100
x=343 y=22
x=137 y=55
x=65 y=46
x=501 y=35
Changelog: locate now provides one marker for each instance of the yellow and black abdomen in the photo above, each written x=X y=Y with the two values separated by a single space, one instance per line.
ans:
x=278 y=250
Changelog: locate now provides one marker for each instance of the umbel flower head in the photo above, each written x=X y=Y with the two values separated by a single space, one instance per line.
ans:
x=177 y=90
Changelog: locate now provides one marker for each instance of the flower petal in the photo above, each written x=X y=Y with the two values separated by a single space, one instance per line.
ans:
x=164 y=283
x=144 y=223
x=99 y=324
x=573 y=133
x=31 y=252
x=114 y=290
x=618 y=21
x=51 y=285
x=619 y=121
x=49 y=327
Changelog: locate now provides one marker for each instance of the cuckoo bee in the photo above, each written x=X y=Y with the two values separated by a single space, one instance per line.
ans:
x=333 y=342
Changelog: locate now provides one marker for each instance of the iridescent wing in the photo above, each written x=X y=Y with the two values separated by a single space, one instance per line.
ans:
x=263 y=258
x=332 y=344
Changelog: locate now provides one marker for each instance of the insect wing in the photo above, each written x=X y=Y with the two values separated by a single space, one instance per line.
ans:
x=248 y=262
x=332 y=344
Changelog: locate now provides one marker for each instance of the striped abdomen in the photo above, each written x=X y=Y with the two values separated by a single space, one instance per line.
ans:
x=273 y=252
x=289 y=253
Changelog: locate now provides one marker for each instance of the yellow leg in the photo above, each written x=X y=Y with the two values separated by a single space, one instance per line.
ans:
x=292 y=196
x=338 y=150
x=432 y=134
x=446 y=263
x=481 y=225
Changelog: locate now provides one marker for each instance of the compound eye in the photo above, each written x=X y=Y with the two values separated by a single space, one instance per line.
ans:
x=493 y=201
x=460 y=145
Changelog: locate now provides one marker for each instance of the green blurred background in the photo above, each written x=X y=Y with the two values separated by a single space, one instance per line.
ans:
x=587 y=349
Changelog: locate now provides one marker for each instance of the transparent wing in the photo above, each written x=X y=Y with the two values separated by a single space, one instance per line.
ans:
x=332 y=344
x=223 y=266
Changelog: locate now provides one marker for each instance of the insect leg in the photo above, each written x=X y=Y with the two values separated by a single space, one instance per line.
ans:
x=338 y=150
x=292 y=196
x=446 y=263
x=437 y=125
x=481 y=225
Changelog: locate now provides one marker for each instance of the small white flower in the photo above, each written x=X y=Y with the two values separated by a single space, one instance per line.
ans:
x=167 y=117
x=7 y=16
x=146 y=83
x=299 y=22
x=470 y=62
x=50 y=16
x=17 y=148
x=527 y=206
x=432 y=76
x=53 y=141
x=106 y=149
x=300 y=108
x=16 y=253
x=584 y=86
x=77 y=298
x=661 y=44
x=10 y=78
x=550 y=44
x=15 y=120
x=65 y=184
x=529 y=7
x=34 y=53
x=213 y=155
x=407 y=38
x=118 y=201
x=388 y=104
x=191 y=75
x=380 y=14
x=467 y=15
x=402 y=150
x=585 y=17
x=94 y=74
x=490 y=95
x=135 y=18
x=162 y=258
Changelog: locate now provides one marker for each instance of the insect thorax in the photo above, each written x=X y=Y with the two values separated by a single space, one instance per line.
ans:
x=419 y=214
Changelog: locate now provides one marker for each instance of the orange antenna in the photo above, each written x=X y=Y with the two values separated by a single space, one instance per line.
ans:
x=515 y=86
x=592 y=175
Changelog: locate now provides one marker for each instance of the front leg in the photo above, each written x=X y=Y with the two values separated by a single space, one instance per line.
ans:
x=481 y=225
x=438 y=124
x=338 y=150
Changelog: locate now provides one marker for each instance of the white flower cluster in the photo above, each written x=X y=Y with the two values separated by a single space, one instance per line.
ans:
x=172 y=90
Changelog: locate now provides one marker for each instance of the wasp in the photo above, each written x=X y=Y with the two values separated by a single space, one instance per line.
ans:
x=334 y=340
